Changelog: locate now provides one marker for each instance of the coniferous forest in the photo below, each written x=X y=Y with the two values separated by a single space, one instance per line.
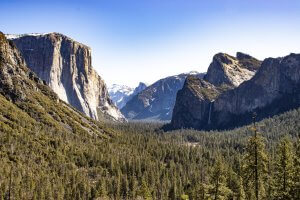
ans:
x=169 y=117
x=140 y=161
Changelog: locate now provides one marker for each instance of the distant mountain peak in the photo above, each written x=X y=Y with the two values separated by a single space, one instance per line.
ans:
x=121 y=94
x=156 y=102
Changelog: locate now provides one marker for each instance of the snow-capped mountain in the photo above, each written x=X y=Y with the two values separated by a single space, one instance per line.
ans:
x=121 y=94
x=156 y=102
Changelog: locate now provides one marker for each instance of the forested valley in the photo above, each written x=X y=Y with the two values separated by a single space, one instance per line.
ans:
x=140 y=161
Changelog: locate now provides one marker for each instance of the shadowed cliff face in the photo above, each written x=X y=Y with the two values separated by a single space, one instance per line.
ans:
x=194 y=104
x=272 y=90
x=66 y=67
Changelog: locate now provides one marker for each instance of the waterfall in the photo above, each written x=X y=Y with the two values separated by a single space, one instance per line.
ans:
x=209 y=113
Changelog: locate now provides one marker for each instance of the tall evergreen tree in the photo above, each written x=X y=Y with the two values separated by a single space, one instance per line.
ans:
x=283 y=170
x=296 y=173
x=255 y=166
x=219 y=190
x=145 y=191
x=241 y=192
x=102 y=191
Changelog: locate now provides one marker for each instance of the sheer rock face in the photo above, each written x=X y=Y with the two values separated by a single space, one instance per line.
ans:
x=31 y=97
x=274 y=88
x=195 y=102
x=65 y=65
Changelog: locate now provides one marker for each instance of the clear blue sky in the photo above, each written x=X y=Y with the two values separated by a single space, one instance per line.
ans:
x=145 y=40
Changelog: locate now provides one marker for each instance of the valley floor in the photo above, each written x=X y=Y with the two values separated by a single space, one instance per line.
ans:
x=140 y=161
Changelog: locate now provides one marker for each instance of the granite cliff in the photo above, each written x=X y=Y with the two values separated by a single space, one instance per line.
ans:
x=196 y=101
x=274 y=89
x=66 y=66
x=232 y=71
x=29 y=106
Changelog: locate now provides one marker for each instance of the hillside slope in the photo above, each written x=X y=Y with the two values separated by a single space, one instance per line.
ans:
x=37 y=129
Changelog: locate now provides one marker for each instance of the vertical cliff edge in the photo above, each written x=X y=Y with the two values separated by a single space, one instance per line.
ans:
x=66 y=66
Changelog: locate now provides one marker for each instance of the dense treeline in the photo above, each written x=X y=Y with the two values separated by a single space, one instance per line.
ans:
x=139 y=161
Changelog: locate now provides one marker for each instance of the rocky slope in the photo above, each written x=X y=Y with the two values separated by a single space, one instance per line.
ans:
x=121 y=94
x=66 y=66
x=156 y=102
x=274 y=88
x=232 y=71
x=28 y=105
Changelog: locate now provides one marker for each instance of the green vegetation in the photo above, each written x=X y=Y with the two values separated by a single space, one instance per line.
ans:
x=48 y=150
x=40 y=160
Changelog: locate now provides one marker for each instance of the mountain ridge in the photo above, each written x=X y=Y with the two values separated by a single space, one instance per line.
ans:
x=267 y=93
x=156 y=102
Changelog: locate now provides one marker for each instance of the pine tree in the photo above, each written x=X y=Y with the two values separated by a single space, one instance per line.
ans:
x=219 y=190
x=235 y=184
x=283 y=169
x=296 y=173
x=144 y=191
x=102 y=191
x=124 y=188
x=255 y=167
x=241 y=192
x=173 y=192
x=133 y=187
x=201 y=192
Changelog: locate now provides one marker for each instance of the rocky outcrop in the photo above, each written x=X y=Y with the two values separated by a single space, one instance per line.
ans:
x=14 y=75
x=226 y=69
x=195 y=102
x=138 y=89
x=156 y=102
x=66 y=66
x=121 y=94
x=274 y=88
